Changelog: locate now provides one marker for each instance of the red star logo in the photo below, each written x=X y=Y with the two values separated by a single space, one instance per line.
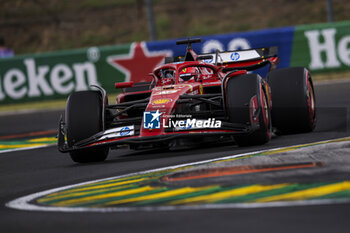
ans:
x=138 y=63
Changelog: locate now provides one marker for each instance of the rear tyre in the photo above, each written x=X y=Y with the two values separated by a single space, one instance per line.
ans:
x=84 y=119
x=293 y=100
x=247 y=104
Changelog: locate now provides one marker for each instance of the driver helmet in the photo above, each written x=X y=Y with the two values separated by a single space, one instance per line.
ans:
x=187 y=74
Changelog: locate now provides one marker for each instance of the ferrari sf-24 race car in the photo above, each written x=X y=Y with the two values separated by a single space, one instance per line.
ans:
x=192 y=98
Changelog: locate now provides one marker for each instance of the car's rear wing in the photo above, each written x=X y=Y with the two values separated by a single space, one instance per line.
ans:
x=228 y=57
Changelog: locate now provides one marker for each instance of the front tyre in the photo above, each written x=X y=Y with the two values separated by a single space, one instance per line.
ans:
x=84 y=119
x=247 y=103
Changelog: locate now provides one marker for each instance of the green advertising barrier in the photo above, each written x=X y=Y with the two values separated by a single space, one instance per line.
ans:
x=48 y=76
x=322 y=47
x=55 y=75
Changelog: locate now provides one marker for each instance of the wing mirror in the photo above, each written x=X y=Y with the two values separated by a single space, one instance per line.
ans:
x=124 y=84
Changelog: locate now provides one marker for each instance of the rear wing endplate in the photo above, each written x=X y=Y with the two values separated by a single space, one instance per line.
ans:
x=238 y=56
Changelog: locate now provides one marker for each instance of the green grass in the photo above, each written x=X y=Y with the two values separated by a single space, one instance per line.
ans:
x=163 y=23
x=105 y=3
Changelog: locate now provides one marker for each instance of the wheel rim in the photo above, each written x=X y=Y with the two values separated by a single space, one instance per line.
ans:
x=266 y=112
x=311 y=102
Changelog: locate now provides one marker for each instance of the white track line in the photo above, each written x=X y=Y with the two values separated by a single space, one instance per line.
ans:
x=23 y=203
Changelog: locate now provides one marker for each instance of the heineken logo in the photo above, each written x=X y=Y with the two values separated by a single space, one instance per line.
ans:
x=326 y=51
x=43 y=80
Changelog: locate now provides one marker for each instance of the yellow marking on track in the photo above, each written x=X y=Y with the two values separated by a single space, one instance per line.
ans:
x=131 y=179
x=21 y=146
x=97 y=187
x=279 y=151
x=79 y=201
x=341 y=140
x=165 y=194
x=114 y=182
x=308 y=193
x=228 y=194
x=77 y=194
x=94 y=188
x=43 y=140
x=103 y=182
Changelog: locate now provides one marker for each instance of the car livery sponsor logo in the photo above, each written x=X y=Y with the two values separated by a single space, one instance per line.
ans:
x=151 y=120
x=161 y=101
x=179 y=86
x=235 y=56
x=166 y=92
x=209 y=60
x=186 y=126
x=118 y=132
x=158 y=106
x=125 y=131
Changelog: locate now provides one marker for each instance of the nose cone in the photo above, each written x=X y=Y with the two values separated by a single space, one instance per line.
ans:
x=160 y=108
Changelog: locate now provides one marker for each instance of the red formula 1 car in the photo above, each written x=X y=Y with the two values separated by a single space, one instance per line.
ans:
x=192 y=98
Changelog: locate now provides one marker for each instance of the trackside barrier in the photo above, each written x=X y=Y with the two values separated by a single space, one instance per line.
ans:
x=322 y=47
x=54 y=75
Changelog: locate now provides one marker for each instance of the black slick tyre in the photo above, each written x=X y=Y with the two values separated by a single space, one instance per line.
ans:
x=83 y=119
x=293 y=100
x=247 y=103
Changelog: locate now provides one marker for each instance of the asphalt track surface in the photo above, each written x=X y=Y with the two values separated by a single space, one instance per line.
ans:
x=30 y=171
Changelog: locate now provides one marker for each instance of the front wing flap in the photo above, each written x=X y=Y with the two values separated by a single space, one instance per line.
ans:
x=119 y=136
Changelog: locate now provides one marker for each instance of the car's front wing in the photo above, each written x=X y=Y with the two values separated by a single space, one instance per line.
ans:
x=114 y=137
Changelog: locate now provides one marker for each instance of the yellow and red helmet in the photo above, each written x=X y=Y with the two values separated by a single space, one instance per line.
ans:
x=188 y=70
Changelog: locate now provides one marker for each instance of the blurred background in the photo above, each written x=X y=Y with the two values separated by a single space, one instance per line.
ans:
x=31 y=26
x=50 y=48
